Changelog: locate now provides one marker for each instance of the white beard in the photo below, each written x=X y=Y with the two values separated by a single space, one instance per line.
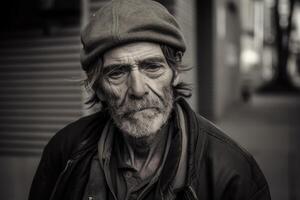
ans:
x=143 y=123
x=138 y=122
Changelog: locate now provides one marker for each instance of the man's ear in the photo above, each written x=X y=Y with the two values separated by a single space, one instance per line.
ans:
x=176 y=78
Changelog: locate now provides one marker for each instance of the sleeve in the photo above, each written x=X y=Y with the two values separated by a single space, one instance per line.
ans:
x=58 y=151
x=47 y=172
x=238 y=190
x=262 y=191
x=262 y=194
x=251 y=186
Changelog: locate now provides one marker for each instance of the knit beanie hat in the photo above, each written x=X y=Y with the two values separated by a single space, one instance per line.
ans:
x=120 y=22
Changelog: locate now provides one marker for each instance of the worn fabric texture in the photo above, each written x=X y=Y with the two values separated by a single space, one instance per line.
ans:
x=120 y=22
x=217 y=168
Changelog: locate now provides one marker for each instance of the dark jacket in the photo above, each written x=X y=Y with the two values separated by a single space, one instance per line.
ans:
x=218 y=169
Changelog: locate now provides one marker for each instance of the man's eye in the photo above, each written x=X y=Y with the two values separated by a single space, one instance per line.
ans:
x=116 y=74
x=152 y=68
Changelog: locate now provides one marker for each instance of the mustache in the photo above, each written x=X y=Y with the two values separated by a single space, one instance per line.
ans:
x=131 y=105
x=134 y=105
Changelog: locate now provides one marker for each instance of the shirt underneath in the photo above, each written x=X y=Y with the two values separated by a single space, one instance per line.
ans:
x=127 y=181
x=111 y=178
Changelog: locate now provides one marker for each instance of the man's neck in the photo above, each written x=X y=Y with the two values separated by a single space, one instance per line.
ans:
x=145 y=154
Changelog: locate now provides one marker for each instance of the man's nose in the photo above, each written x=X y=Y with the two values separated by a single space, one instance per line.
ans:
x=137 y=85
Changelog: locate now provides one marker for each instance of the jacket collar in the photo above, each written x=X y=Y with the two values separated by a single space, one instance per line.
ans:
x=196 y=146
x=197 y=142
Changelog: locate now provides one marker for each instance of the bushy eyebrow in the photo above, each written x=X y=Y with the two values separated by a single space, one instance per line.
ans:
x=146 y=61
x=151 y=60
x=113 y=67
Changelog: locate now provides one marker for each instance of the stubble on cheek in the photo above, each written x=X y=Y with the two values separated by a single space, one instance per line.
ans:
x=132 y=118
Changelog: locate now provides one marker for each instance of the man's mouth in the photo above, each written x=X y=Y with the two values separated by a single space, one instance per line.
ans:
x=131 y=112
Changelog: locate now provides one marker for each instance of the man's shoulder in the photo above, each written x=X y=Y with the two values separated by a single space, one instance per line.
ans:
x=81 y=125
x=219 y=143
x=223 y=168
x=214 y=145
x=72 y=134
x=226 y=157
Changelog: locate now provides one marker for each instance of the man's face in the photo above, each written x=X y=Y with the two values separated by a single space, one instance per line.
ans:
x=136 y=85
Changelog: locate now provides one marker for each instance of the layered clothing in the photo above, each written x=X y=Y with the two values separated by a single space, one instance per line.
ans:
x=201 y=163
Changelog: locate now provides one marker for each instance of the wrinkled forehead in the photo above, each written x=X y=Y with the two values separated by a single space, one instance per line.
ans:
x=131 y=53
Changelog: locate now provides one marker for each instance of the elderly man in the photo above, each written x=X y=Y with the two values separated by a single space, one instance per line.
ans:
x=146 y=142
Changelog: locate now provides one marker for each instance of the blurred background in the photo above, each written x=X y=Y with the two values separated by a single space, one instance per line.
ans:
x=245 y=56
